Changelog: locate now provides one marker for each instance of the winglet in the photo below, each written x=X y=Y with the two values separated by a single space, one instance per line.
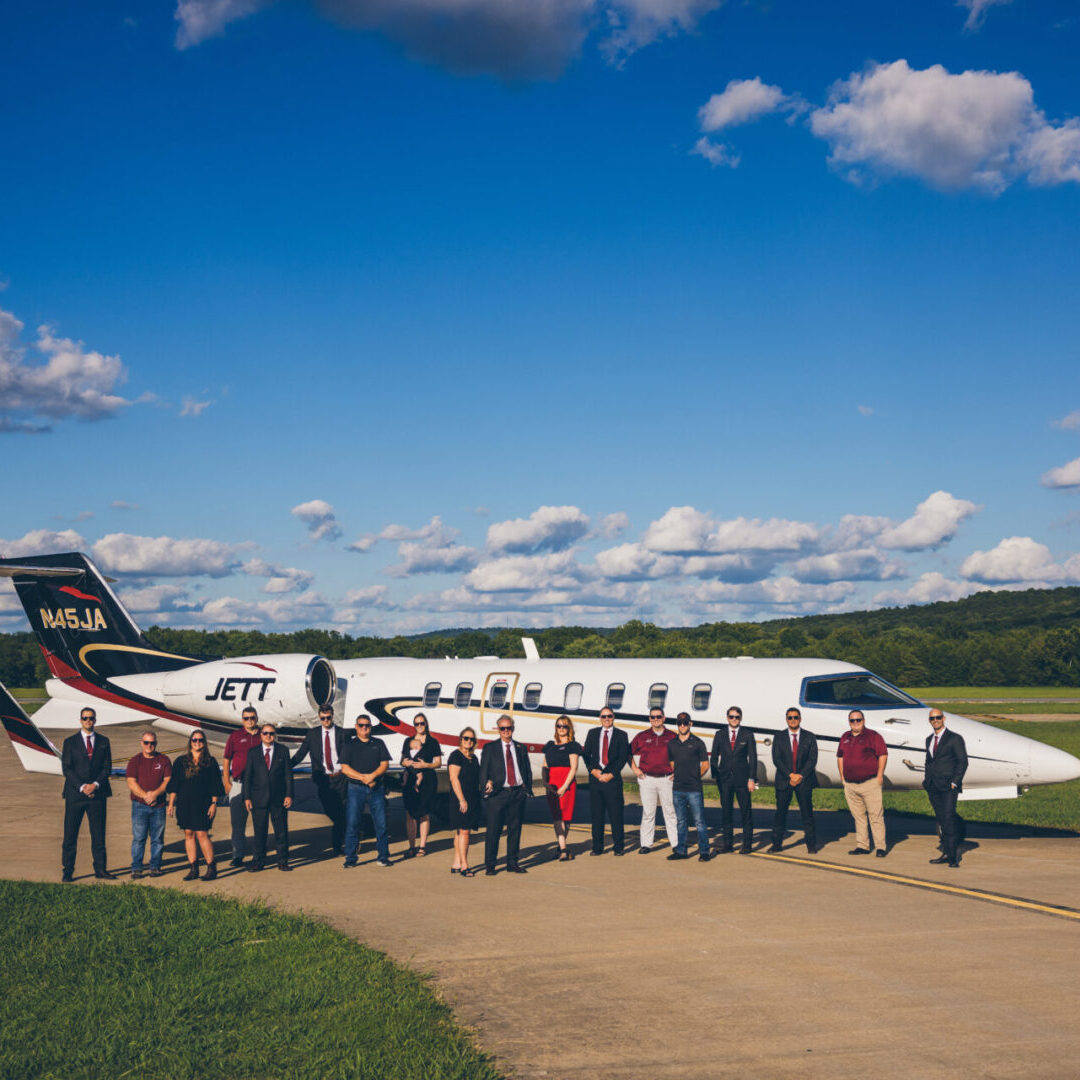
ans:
x=531 y=651
x=34 y=750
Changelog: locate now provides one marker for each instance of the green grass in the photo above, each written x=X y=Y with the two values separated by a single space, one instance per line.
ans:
x=1012 y=708
x=981 y=693
x=150 y=983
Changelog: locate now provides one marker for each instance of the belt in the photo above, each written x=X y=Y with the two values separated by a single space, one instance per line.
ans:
x=659 y=775
x=862 y=781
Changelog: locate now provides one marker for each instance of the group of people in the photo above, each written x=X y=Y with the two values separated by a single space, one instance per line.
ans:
x=349 y=776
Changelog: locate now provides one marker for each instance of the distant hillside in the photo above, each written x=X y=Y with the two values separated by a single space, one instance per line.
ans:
x=1029 y=638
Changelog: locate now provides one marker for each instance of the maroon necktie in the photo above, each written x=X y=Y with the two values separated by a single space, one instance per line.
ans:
x=511 y=774
x=327 y=764
x=604 y=751
x=267 y=760
x=933 y=753
x=734 y=732
x=794 y=751
x=89 y=746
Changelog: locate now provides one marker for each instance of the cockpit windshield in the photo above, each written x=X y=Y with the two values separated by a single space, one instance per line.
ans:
x=859 y=690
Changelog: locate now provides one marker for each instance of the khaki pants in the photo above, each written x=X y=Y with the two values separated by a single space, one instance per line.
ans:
x=655 y=789
x=864 y=800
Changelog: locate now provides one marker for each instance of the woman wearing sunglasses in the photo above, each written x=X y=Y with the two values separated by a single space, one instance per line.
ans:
x=464 y=811
x=194 y=788
x=561 y=757
x=421 y=755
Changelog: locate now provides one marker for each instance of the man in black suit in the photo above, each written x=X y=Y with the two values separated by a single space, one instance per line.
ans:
x=323 y=744
x=268 y=785
x=794 y=754
x=734 y=768
x=946 y=763
x=86 y=761
x=607 y=751
x=506 y=783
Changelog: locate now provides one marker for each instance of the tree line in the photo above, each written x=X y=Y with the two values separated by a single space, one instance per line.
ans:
x=1029 y=638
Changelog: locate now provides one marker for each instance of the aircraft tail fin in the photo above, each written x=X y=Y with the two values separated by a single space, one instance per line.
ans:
x=34 y=750
x=82 y=627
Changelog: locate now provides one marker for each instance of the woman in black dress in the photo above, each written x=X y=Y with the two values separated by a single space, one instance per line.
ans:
x=464 y=815
x=193 y=791
x=421 y=755
x=561 y=757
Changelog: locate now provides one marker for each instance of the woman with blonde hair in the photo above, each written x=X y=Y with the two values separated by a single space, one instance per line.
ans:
x=561 y=757
x=464 y=813
x=193 y=791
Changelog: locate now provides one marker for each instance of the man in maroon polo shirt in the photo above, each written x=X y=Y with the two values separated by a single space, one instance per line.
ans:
x=236 y=752
x=147 y=775
x=652 y=767
x=861 y=758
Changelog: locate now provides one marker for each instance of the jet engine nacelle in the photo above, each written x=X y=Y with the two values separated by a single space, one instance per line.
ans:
x=287 y=688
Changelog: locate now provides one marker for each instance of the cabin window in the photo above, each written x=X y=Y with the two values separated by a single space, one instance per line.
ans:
x=702 y=693
x=497 y=695
x=615 y=694
x=431 y=694
x=657 y=695
x=572 y=697
x=531 y=698
x=856 y=691
x=463 y=695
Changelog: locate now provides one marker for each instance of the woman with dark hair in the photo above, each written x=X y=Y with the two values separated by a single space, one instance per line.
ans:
x=561 y=757
x=421 y=755
x=193 y=791
x=464 y=810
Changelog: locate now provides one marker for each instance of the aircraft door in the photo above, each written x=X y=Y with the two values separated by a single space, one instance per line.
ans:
x=498 y=698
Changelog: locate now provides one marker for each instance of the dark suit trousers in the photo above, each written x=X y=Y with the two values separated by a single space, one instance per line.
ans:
x=729 y=792
x=332 y=796
x=260 y=820
x=74 y=809
x=805 y=797
x=606 y=798
x=505 y=807
x=238 y=815
x=944 y=804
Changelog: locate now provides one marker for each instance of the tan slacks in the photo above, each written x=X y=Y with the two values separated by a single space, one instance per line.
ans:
x=864 y=801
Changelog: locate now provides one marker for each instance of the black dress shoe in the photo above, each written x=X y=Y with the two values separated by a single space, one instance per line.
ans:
x=703 y=857
x=677 y=855
x=255 y=867
x=67 y=878
x=880 y=853
x=104 y=875
x=283 y=866
x=954 y=863
x=724 y=849
x=939 y=859
x=516 y=870
x=747 y=850
x=812 y=849
x=234 y=863
x=859 y=851
x=644 y=850
x=774 y=848
x=618 y=853
x=489 y=873
x=596 y=853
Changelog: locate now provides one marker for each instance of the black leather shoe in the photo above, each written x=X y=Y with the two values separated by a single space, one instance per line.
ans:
x=211 y=872
x=677 y=855
x=618 y=853
x=255 y=867
x=880 y=853
x=774 y=848
x=746 y=850
x=516 y=870
x=136 y=874
x=859 y=851
x=489 y=873
x=234 y=863
x=703 y=857
x=192 y=874
x=644 y=850
x=155 y=873
x=596 y=853
x=954 y=863
x=104 y=875
x=66 y=878
x=812 y=849
x=940 y=859
x=724 y=849
x=283 y=866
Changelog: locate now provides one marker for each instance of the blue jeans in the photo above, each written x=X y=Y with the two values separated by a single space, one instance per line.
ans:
x=689 y=803
x=147 y=820
x=374 y=798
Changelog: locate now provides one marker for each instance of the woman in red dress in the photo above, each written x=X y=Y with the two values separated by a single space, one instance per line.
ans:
x=561 y=757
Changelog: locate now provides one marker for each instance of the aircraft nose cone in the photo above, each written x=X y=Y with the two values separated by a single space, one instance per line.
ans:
x=1049 y=765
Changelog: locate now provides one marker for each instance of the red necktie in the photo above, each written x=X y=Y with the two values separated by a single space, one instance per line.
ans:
x=604 y=750
x=734 y=732
x=933 y=753
x=511 y=774
x=794 y=751
x=327 y=763
x=89 y=746
x=267 y=760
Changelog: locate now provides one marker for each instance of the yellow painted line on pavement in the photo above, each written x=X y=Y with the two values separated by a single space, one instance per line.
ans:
x=934 y=886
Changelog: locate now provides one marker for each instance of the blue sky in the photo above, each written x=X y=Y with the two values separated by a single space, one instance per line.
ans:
x=391 y=316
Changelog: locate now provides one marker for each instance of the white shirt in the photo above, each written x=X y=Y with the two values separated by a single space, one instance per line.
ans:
x=934 y=735
x=517 y=764
x=732 y=733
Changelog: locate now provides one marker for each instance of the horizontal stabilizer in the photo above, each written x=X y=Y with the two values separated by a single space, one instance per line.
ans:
x=61 y=714
x=34 y=750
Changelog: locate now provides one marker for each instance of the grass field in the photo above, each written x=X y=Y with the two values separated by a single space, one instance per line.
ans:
x=150 y=983
x=1012 y=708
x=980 y=693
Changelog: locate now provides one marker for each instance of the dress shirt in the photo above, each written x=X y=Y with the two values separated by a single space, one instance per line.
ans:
x=332 y=765
x=517 y=764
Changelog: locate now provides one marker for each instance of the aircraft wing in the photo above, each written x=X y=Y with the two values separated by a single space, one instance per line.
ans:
x=34 y=750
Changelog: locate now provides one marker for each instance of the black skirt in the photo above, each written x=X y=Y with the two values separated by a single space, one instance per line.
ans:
x=469 y=778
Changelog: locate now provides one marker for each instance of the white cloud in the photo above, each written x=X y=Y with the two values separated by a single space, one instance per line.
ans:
x=432 y=558
x=202 y=19
x=122 y=553
x=935 y=520
x=1064 y=476
x=318 y=516
x=120 y=504
x=280 y=579
x=684 y=530
x=773 y=592
x=189 y=406
x=1018 y=558
x=42 y=542
x=299 y=609
x=716 y=153
x=742 y=101
x=977 y=11
x=526 y=573
x=860 y=564
x=865 y=410
x=1070 y=422
x=84 y=515
x=928 y=589
x=73 y=382
x=975 y=129
x=613 y=524
x=434 y=532
x=855 y=530
x=155 y=599
x=549 y=528
x=634 y=562
x=740 y=567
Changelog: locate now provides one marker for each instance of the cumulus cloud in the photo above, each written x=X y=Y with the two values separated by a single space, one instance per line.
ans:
x=280 y=579
x=684 y=530
x=928 y=589
x=300 y=609
x=155 y=599
x=318 y=516
x=432 y=558
x=1070 y=422
x=122 y=553
x=1018 y=558
x=975 y=129
x=42 y=542
x=612 y=524
x=433 y=532
x=72 y=382
x=861 y=564
x=191 y=407
x=202 y=19
x=634 y=562
x=935 y=521
x=977 y=10
x=1064 y=476
x=783 y=592
x=742 y=101
x=549 y=528
x=526 y=573
x=716 y=153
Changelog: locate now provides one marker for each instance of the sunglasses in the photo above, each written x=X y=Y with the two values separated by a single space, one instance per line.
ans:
x=559 y=727
x=734 y=715
x=506 y=729
x=195 y=742
x=364 y=727
x=607 y=716
x=684 y=723
x=149 y=742
x=268 y=734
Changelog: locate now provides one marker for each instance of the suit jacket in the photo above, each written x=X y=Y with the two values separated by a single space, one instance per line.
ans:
x=313 y=746
x=493 y=765
x=80 y=769
x=947 y=767
x=618 y=751
x=268 y=788
x=738 y=766
x=805 y=766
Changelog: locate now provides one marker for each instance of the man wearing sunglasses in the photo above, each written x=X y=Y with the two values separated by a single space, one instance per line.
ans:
x=268 y=788
x=364 y=762
x=946 y=763
x=147 y=774
x=324 y=746
x=239 y=744
x=506 y=784
x=734 y=768
x=652 y=767
x=607 y=751
x=86 y=761
x=794 y=754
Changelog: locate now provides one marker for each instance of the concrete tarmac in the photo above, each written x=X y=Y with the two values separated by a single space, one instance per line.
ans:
x=638 y=968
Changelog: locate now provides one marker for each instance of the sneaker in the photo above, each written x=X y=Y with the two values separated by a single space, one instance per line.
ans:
x=154 y=872
x=136 y=874
x=350 y=863
x=382 y=862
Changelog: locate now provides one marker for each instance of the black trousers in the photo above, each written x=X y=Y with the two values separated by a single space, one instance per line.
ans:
x=332 y=796
x=260 y=820
x=74 y=809
x=805 y=797
x=606 y=798
x=952 y=828
x=238 y=815
x=506 y=807
x=730 y=790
